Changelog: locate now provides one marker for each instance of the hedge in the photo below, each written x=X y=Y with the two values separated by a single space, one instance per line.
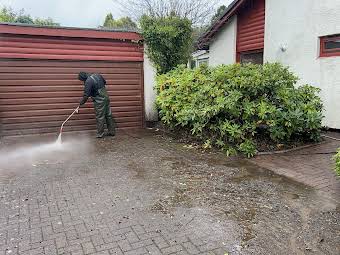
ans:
x=232 y=106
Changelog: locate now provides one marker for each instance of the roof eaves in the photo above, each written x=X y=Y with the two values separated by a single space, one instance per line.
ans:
x=103 y=29
x=204 y=40
x=34 y=30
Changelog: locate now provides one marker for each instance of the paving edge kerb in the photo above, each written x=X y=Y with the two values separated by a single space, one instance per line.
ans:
x=291 y=150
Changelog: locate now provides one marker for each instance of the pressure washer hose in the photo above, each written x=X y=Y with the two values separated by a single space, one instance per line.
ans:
x=69 y=117
x=76 y=111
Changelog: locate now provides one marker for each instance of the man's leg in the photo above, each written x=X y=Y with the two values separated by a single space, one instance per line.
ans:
x=100 y=118
x=110 y=122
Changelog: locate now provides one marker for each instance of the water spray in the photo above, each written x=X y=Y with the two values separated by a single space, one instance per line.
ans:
x=62 y=125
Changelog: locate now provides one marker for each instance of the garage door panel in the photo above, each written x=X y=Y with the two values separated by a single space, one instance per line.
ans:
x=70 y=57
x=63 y=70
x=33 y=107
x=34 y=102
x=73 y=82
x=42 y=76
x=65 y=112
x=39 y=45
x=70 y=64
x=17 y=101
x=60 y=118
x=14 y=95
x=71 y=89
x=73 y=122
x=66 y=52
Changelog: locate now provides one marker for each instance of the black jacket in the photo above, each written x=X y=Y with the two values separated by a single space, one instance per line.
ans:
x=91 y=86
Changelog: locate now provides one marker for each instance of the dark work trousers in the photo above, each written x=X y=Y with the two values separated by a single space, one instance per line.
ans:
x=103 y=113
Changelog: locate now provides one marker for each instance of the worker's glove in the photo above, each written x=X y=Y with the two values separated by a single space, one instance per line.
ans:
x=83 y=100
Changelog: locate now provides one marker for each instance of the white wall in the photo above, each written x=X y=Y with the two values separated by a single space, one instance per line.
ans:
x=298 y=24
x=223 y=49
x=149 y=91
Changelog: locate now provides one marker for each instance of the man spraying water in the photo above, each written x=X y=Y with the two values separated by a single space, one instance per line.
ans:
x=94 y=87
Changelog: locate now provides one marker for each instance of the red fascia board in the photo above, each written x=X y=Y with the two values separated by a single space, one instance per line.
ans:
x=68 y=32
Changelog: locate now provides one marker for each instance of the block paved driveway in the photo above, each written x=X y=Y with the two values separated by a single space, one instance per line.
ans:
x=144 y=193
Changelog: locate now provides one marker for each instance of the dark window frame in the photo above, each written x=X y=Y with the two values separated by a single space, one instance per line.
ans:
x=238 y=55
x=329 y=52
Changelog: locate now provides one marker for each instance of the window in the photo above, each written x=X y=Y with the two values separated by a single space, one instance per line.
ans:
x=193 y=64
x=251 y=57
x=330 y=46
x=204 y=61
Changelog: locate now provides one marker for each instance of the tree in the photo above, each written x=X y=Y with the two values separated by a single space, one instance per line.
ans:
x=108 y=20
x=168 y=40
x=45 y=22
x=197 y=11
x=218 y=13
x=197 y=33
x=9 y=16
x=122 y=23
x=24 y=19
x=200 y=30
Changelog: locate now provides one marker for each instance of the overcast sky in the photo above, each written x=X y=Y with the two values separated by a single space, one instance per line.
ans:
x=74 y=13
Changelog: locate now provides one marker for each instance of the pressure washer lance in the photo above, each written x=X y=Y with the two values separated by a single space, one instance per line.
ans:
x=62 y=125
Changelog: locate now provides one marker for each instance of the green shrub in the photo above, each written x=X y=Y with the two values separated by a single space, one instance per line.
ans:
x=168 y=40
x=337 y=162
x=233 y=105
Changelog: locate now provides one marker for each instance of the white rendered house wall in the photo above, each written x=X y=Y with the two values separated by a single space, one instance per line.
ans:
x=222 y=50
x=292 y=34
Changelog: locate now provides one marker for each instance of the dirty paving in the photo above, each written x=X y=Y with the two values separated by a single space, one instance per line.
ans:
x=144 y=193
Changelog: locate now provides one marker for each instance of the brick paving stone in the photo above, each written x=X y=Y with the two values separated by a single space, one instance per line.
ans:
x=124 y=245
x=132 y=237
x=88 y=247
x=138 y=251
x=153 y=250
x=78 y=252
x=24 y=246
x=178 y=240
x=50 y=250
x=107 y=246
x=190 y=248
x=116 y=251
x=37 y=251
x=97 y=240
x=172 y=249
x=138 y=229
x=160 y=242
x=102 y=253
x=72 y=234
x=182 y=253
x=61 y=242
x=143 y=243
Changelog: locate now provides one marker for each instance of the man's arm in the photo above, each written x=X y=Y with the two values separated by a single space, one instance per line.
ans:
x=87 y=92
x=103 y=80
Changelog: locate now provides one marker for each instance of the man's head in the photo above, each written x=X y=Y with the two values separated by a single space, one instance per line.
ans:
x=83 y=76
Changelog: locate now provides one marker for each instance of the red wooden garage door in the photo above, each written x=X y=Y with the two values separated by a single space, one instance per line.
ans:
x=39 y=85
